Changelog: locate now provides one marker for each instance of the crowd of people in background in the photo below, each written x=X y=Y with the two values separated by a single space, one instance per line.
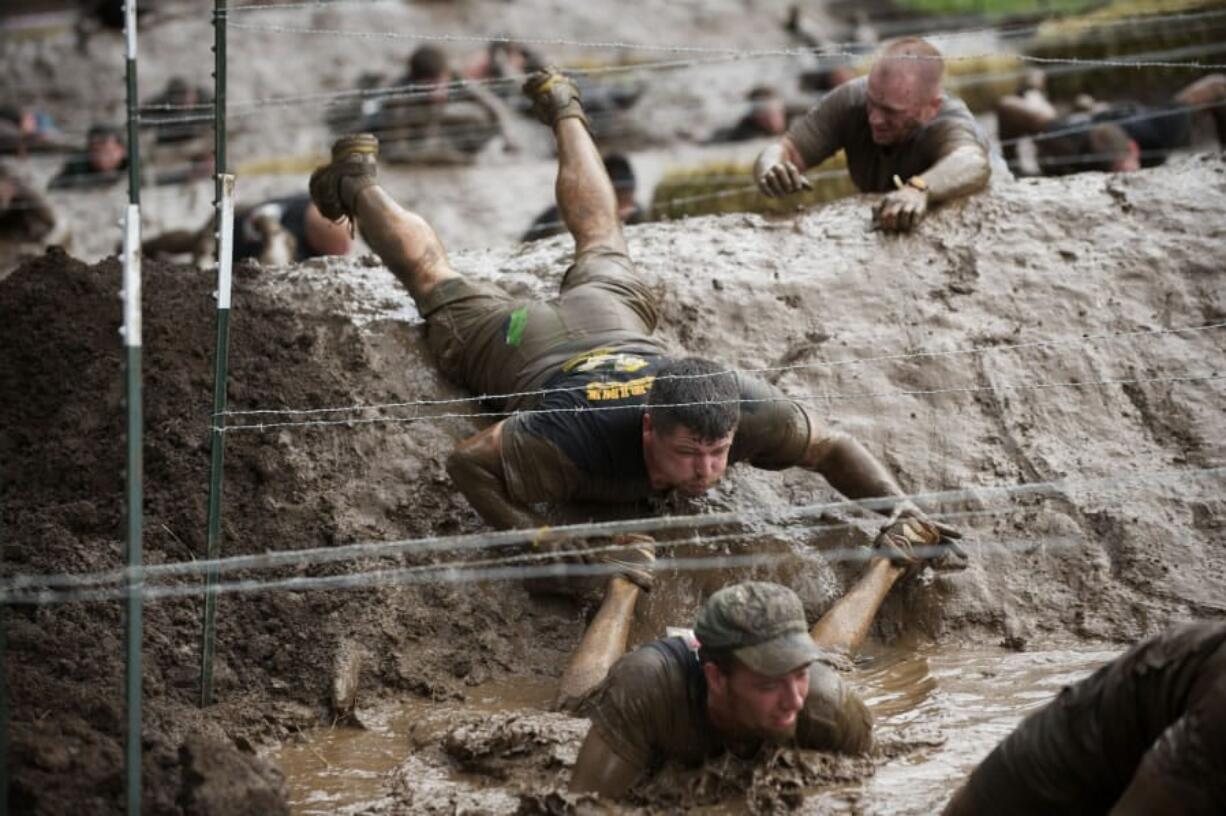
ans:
x=447 y=110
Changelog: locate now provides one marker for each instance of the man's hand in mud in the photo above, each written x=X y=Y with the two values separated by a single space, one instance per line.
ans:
x=911 y=539
x=635 y=555
x=900 y=210
x=776 y=176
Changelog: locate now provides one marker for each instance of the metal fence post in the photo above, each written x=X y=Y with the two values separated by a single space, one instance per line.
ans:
x=225 y=239
x=134 y=474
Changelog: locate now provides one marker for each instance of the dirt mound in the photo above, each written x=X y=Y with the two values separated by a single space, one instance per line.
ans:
x=1052 y=264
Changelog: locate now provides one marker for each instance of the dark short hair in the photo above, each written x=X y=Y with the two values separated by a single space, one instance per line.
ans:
x=620 y=171
x=427 y=62
x=695 y=394
x=723 y=659
x=104 y=133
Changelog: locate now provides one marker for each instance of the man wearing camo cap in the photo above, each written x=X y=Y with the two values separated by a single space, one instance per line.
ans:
x=756 y=676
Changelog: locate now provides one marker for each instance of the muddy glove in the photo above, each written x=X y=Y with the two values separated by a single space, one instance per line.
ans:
x=902 y=209
x=776 y=176
x=910 y=539
x=635 y=556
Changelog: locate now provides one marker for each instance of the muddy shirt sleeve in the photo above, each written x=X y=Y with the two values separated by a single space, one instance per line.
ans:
x=821 y=132
x=774 y=431
x=953 y=131
x=535 y=469
x=635 y=707
x=834 y=717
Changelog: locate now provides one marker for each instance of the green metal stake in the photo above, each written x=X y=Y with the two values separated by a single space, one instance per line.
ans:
x=225 y=254
x=134 y=479
x=225 y=227
x=4 y=708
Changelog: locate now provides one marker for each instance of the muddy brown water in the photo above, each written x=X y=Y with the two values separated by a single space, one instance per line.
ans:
x=949 y=704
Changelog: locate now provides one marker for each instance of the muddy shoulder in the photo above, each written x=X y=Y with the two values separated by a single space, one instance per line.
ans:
x=1110 y=285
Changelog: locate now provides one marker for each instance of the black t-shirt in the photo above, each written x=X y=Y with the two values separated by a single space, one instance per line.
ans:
x=1157 y=131
x=585 y=441
x=290 y=211
x=596 y=415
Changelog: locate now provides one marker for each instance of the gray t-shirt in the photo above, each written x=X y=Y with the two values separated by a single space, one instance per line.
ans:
x=840 y=121
x=651 y=709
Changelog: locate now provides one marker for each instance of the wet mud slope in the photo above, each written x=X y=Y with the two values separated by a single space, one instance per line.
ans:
x=1110 y=285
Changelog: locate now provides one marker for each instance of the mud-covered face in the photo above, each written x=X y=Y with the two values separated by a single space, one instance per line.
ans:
x=682 y=461
x=898 y=106
x=754 y=705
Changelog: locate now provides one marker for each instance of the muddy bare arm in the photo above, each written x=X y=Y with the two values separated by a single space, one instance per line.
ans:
x=477 y=470
x=779 y=170
x=600 y=770
x=963 y=171
x=853 y=471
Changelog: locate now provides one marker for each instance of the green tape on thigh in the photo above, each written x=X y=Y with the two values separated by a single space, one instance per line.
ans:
x=516 y=325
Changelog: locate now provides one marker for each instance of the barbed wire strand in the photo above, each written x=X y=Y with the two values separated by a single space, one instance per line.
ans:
x=1074 y=341
x=803 y=399
x=822 y=53
x=393 y=549
x=444 y=573
x=652 y=524
x=412 y=91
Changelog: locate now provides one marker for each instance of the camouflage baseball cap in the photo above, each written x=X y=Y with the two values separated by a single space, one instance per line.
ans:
x=762 y=624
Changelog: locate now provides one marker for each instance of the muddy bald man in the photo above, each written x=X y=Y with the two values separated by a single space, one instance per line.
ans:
x=903 y=136
x=602 y=414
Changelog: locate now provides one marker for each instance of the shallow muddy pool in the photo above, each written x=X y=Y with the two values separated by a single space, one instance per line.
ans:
x=949 y=705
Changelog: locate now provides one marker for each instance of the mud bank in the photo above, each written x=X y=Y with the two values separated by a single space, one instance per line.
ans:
x=1095 y=557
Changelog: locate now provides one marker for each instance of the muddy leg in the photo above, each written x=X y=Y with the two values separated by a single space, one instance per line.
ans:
x=585 y=194
x=1208 y=90
x=406 y=244
x=602 y=644
x=845 y=625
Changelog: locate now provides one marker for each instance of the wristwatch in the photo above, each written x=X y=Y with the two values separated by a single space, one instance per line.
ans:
x=915 y=181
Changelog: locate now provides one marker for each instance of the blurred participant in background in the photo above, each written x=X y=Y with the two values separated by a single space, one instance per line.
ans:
x=549 y=223
x=26 y=130
x=1111 y=137
x=438 y=118
x=275 y=233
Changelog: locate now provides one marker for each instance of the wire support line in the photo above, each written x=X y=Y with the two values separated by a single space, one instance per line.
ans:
x=1072 y=342
x=653 y=524
x=1006 y=30
x=820 y=52
x=1010 y=31
x=803 y=399
x=415 y=91
x=345 y=553
x=513 y=569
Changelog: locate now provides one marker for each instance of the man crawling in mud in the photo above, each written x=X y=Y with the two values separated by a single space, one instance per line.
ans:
x=755 y=675
x=1145 y=734
x=902 y=135
x=614 y=419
